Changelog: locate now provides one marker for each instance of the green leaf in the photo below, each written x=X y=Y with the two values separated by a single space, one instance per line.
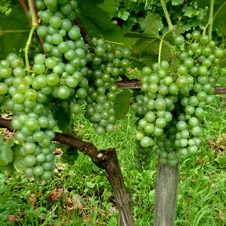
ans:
x=116 y=35
x=124 y=15
x=142 y=44
x=138 y=35
x=146 y=49
x=70 y=155
x=62 y=116
x=153 y=24
x=93 y=17
x=144 y=60
x=219 y=14
x=6 y=154
x=122 y=103
x=189 y=11
x=16 y=20
x=110 y=7
x=219 y=19
x=18 y=159
x=177 y=2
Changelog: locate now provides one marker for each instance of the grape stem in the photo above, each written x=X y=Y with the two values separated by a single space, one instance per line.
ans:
x=163 y=4
x=211 y=18
x=82 y=30
x=34 y=24
x=160 y=46
x=210 y=21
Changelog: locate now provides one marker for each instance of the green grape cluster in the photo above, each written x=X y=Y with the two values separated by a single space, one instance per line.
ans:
x=85 y=73
x=67 y=52
x=174 y=99
x=32 y=120
x=107 y=64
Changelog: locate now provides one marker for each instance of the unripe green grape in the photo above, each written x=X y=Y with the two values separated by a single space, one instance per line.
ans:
x=55 y=21
x=160 y=104
x=160 y=122
x=74 y=32
x=47 y=175
x=29 y=160
x=38 y=171
x=181 y=125
x=146 y=142
x=178 y=40
x=3 y=89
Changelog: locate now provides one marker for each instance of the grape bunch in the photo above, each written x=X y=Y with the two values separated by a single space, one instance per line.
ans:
x=84 y=73
x=67 y=52
x=106 y=66
x=174 y=99
x=32 y=119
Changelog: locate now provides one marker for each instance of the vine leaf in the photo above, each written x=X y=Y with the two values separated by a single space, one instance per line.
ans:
x=122 y=103
x=17 y=158
x=62 y=116
x=94 y=16
x=189 y=11
x=96 y=20
x=220 y=17
x=116 y=33
x=6 y=153
x=110 y=7
x=16 y=20
x=177 y=2
x=146 y=49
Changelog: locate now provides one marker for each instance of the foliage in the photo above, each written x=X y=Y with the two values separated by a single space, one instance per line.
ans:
x=187 y=14
x=5 y=7
x=6 y=154
x=17 y=24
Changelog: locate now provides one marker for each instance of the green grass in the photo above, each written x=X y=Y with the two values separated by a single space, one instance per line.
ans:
x=201 y=191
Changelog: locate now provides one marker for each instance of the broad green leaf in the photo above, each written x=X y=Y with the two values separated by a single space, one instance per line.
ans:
x=6 y=154
x=18 y=159
x=110 y=7
x=142 y=44
x=220 y=18
x=116 y=35
x=138 y=35
x=146 y=49
x=122 y=103
x=93 y=17
x=144 y=60
x=16 y=20
x=219 y=14
x=153 y=24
